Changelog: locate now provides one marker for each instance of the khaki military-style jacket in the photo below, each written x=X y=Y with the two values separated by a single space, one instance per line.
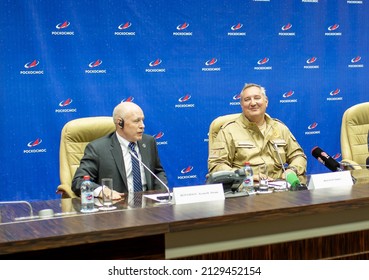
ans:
x=240 y=140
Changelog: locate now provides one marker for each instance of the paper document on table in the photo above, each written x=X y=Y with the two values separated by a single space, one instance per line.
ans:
x=279 y=184
x=158 y=197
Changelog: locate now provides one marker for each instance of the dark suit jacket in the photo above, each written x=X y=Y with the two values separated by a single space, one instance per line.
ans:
x=103 y=158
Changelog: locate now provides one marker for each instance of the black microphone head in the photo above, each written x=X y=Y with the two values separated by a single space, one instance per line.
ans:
x=316 y=151
x=325 y=159
x=367 y=163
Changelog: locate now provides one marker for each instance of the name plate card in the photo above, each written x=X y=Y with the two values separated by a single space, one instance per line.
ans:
x=330 y=180
x=201 y=193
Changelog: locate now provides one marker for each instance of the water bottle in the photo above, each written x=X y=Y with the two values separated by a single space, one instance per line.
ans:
x=87 y=195
x=248 y=183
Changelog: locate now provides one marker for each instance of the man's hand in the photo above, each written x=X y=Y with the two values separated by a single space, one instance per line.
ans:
x=284 y=175
x=115 y=195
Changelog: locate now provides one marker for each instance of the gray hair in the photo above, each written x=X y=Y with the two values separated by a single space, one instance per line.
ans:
x=262 y=89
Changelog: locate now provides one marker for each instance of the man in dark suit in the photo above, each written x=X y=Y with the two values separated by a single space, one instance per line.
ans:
x=111 y=156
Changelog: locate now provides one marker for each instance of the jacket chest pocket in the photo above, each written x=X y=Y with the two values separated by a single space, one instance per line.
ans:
x=245 y=150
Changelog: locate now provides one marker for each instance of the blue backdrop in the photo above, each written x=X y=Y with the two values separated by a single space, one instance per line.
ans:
x=184 y=63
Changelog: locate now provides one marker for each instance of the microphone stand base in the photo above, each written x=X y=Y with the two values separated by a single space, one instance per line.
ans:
x=235 y=194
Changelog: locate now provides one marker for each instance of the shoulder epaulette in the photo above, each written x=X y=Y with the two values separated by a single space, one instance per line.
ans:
x=278 y=120
x=228 y=123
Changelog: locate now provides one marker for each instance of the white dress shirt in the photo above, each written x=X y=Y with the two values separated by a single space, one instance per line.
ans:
x=128 y=162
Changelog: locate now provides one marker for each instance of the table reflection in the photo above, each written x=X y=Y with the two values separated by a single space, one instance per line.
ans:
x=20 y=211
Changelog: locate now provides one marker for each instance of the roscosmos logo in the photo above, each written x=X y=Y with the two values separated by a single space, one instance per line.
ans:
x=210 y=65
x=236 y=100
x=236 y=30
x=313 y=126
x=95 y=64
x=334 y=95
x=333 y=30
x=311 y=63
x=287 y=97
x=236 y=26
x=311 y=60
x=211 y=62
x=182 y=26
x=64 y=104
x=262 y=62
x=125 y=29
x=311 y=129
x=32 y=145
x=336 y=156
x=286 y=27
x=184 y=98
x=154 y=66
x=185 y=171
x=355 y=62
x=62 y=25
x=237 y=96
x=155 y=63
x=333 y=27
x=356 y=59
x=125 y=25
x=29 y=66
x=334 y=92
x=288 y=94
x=128 y=99
x=182 y=30
x=183 y=102
x=286 y=30
x=62 y=29
x=159 y=136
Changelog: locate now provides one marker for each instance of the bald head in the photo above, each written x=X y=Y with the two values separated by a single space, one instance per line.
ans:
x=124 y=108
x=132 y=116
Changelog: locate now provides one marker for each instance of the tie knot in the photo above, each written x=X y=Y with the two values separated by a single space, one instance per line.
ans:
x=132 y=145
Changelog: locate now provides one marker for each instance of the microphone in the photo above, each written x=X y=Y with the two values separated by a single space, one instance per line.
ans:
x=326 y=159
x=279 y=157
x=162 y=200
x=295 y=183
x=291 y=177
x=281 y=162
x=21 y=202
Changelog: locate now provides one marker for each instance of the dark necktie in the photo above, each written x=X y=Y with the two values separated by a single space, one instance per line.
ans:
x=137 y=185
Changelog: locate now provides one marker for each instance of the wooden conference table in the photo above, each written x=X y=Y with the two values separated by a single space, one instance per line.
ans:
x=331 y=223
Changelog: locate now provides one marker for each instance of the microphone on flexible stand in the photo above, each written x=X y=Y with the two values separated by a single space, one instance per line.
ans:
x=326 y=159
x=164 y=200
x=280 y=161
x=295 y=183
x=291 y=177
x=20 y=202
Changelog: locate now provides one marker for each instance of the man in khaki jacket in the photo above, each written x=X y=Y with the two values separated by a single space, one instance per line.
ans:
x=254 y=137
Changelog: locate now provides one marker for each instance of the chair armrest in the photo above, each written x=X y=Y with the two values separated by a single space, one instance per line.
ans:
x=65 y=191
x=349 y=164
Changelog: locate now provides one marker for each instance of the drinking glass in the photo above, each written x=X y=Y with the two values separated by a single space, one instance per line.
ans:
x=107 y=194
x=263 y=178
